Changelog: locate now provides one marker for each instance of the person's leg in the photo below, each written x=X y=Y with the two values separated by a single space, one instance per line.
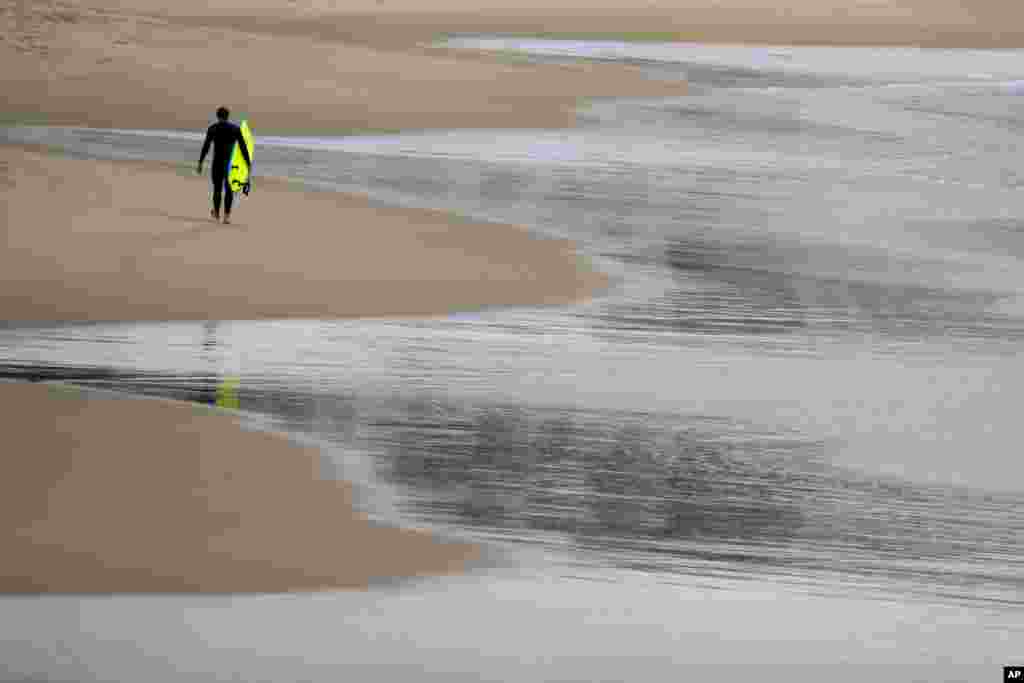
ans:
x=229 y=196
x=218 y=184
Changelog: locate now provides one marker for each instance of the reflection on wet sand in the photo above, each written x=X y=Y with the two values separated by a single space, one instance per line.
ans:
x=593 y=475
x=676 y=491
x=757 y=289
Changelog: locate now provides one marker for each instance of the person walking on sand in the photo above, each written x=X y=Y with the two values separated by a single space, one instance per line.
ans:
x=223 y=135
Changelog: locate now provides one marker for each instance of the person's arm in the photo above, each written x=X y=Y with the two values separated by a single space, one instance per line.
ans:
x=206 y=148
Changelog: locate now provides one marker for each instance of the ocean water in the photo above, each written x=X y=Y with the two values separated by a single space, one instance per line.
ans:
x=786 y=438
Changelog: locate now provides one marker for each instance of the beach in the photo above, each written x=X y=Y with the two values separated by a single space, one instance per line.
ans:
x=615 y=358
x=126 y=241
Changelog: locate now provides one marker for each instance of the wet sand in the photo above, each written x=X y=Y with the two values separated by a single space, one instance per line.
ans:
x=96 y=240
x=108 y=494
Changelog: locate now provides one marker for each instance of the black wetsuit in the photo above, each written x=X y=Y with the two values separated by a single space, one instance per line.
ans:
x=223 y=135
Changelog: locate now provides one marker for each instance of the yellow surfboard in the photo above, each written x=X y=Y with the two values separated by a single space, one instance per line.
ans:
x=238 y=169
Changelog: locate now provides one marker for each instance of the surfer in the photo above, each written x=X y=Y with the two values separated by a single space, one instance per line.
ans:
x=223 y=135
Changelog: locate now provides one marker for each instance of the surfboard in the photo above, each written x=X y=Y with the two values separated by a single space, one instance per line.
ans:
x=238 y=170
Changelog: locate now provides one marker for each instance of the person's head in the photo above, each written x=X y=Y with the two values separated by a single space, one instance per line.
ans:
x=223 y=113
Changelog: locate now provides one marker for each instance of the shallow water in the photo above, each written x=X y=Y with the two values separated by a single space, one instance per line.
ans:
x=803 y=383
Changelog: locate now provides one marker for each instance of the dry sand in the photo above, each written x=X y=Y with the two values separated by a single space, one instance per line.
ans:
x=89 y=240
x=69 y=62
x=109 y=494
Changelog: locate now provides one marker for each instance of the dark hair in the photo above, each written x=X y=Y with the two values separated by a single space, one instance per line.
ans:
x=223 y=113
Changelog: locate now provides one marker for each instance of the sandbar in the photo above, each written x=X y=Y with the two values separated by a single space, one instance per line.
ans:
x=94 y=240
x=111 y=494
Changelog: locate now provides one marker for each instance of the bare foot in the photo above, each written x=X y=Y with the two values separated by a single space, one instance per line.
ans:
x=227 y=218
x=214 y=214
